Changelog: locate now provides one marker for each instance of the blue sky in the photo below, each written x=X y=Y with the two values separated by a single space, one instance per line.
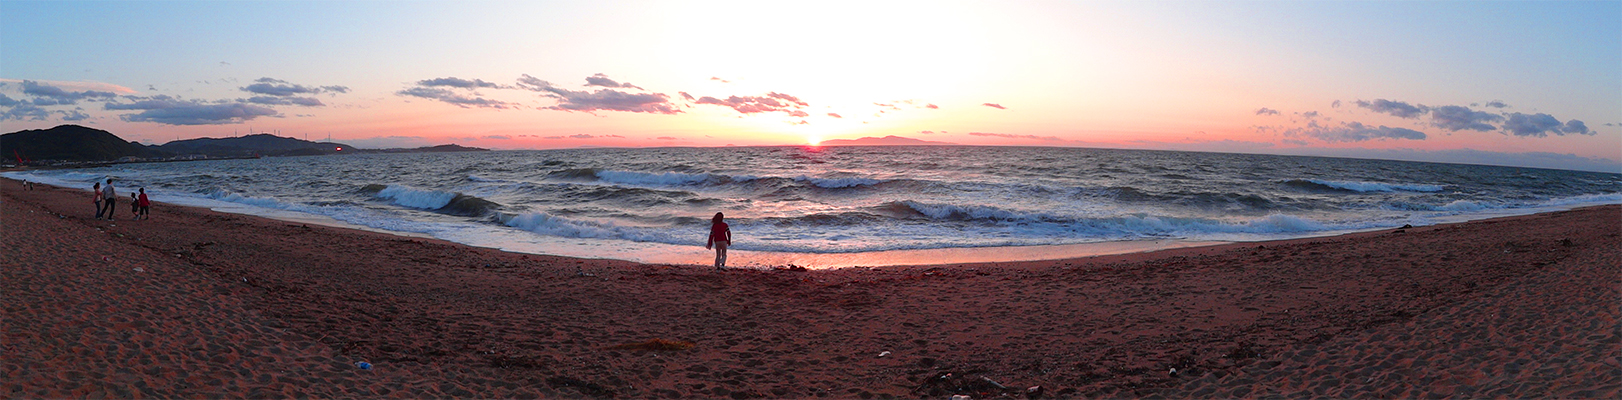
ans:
x=1485 y=79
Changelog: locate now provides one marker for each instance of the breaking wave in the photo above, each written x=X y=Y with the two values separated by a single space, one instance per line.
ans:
x=1363 y=187
x=436 y=200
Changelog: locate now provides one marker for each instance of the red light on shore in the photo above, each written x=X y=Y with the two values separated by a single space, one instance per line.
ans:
x=340 y=149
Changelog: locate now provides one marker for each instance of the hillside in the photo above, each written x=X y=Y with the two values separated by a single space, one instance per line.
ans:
x=70 y=143
x=258 y=144
x=444 y=148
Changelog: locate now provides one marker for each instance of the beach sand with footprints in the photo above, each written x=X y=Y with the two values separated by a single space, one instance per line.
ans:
x=195 y=303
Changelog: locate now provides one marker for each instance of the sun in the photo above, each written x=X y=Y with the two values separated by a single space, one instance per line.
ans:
x=813 y=140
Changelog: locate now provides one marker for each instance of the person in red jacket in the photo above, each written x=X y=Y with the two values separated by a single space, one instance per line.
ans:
x=720 y=238
x=144 y=204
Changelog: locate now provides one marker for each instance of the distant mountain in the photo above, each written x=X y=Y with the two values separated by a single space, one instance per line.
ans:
x=70 y=143
x=444 y=148
x=891 y=140
x=76 y=143
x=263 y=144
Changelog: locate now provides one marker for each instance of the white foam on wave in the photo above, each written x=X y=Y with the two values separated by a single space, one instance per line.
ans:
x=1494 y=208
x=1464 y=205
x=1584 y=200
x=551 y=225
x=1151 y=225
x=1006 y=229
x=340 y=215
x=1357 y=186
x=70 y=179
x=266 y=202
x=417 y=198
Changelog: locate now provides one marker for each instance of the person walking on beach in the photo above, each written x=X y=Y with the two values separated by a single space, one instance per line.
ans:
x=720 y=238
x=97 y=200
x=135 y=206
x=109 y=198
x=145 y=206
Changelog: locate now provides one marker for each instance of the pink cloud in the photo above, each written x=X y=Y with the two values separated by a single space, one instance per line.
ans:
x=771 y=102
x=601 y=100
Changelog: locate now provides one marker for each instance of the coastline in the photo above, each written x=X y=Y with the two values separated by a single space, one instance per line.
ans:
x=240 y=306
x=518 y=241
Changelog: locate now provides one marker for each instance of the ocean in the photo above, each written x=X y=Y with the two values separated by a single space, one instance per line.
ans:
x=840 y=206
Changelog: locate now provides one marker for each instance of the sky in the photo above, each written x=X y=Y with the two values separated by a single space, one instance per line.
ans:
x=1507 y=83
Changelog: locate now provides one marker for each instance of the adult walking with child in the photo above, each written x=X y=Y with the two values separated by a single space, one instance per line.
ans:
x=109 y=198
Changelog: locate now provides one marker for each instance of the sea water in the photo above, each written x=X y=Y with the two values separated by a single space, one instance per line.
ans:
x=835 y=206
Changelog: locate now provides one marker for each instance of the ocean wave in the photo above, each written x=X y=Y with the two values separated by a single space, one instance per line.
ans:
x=582 y=174
x=1363 y=187
x=973 y=212
x=552 y=225
x=70 y=179
x=708 y=180
x=824 y=220
x=837 y=183
x=1468 y=206
x=1137 y=224
x=1130 y=194
x=417 y=198
x=480 y=179
x=629 y=196
x=1586 y=199
x=83 y=177
x=436 y=200
x=342 y=211
x=1224 y=199
x=263 y=202
x=645 y=178
x=1465 y=205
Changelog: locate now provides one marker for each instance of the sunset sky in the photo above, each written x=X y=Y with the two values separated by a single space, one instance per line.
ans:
x=1511 y=83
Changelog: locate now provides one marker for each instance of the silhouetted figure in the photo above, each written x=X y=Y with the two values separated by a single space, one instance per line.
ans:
x=145 y=206
x=720 y=238
x=109 y=198
x=97 y=200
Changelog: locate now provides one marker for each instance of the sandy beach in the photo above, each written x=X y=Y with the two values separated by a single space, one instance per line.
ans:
x=196 y=303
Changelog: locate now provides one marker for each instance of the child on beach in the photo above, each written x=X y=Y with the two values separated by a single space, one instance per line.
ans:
x=135 y=205
x=97 y=190
x=146 y=206
x=720 y=238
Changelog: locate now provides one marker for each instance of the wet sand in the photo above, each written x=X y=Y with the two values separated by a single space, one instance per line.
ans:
x=195 y=303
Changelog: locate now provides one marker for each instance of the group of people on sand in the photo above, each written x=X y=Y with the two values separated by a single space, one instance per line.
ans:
x=106 y=201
